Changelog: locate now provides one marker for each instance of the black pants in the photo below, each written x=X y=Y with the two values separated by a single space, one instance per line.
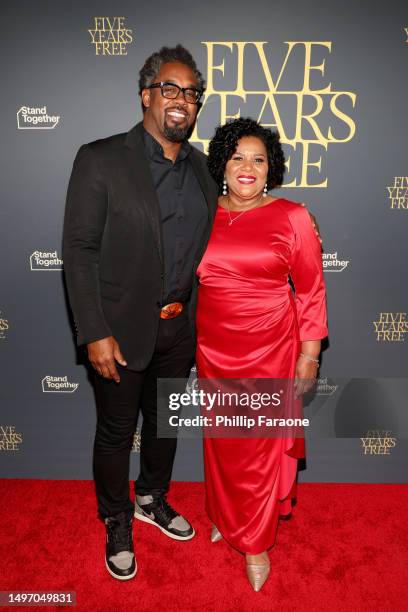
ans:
x=117 y=413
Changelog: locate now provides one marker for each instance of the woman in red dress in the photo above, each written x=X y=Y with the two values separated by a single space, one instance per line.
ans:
x=250 y=324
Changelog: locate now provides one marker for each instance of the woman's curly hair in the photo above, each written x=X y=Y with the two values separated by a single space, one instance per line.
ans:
x=224 y=144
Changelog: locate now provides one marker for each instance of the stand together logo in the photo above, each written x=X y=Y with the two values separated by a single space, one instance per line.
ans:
x=58 y=384
x=36 y=118
x=45 y=261
x=332 y=262
x=325 y=386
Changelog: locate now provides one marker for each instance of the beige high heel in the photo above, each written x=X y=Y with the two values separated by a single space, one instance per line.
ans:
x=257 y=574
x=215 y=534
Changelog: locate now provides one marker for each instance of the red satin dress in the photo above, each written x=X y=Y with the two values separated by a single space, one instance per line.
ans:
x=250 y=325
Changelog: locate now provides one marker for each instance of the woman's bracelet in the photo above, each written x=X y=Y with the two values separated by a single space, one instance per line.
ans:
x=309 y=357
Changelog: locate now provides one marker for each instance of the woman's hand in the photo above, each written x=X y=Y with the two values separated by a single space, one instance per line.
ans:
x=307 y=366
x=305 y=375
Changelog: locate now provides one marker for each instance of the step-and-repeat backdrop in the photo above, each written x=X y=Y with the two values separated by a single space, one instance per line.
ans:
x=331 y=77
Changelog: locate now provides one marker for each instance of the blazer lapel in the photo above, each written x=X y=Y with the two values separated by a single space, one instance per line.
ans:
x=139 y=170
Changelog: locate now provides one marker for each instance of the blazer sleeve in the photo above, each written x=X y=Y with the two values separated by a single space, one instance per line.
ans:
x=84 y=223
x=307 y=276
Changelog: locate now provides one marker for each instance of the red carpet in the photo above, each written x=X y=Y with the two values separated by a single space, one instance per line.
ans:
x=346 y=548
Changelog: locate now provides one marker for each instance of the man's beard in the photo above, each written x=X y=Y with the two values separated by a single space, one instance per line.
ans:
x=176 y=134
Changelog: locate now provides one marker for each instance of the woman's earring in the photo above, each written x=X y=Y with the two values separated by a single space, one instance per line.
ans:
x=265 y=191
x=224 y=187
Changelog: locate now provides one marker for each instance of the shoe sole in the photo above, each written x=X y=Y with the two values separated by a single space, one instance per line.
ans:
x=145 y=519
x=120 y=577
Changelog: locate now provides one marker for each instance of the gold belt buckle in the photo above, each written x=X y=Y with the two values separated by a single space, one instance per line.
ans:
x=170 y=311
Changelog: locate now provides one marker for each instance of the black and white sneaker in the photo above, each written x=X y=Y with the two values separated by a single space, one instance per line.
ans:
x=120 y=558
x=156 y=510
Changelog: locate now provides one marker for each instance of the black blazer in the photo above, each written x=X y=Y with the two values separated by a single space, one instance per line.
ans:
x=112 y=244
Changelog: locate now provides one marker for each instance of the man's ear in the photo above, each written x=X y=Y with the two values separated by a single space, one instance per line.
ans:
x=146 y=97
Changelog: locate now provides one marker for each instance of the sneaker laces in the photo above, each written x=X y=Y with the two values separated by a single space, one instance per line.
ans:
x=163 y=508
x=120 y=531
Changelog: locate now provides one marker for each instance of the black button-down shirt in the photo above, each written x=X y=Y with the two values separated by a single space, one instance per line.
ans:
x=184 y=216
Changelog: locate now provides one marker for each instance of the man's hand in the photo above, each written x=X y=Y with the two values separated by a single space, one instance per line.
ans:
x=102 y=354
x=315 y=224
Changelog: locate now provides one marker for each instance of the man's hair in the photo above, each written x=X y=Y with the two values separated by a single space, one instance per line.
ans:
x=155 y=61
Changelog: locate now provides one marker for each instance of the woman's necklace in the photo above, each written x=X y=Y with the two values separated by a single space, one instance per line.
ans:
x=232 y=219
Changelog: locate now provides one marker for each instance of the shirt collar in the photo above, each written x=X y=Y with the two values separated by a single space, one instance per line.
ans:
x=155 y=150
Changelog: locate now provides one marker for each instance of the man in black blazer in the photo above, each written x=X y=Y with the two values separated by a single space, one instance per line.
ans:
x=139 y=211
